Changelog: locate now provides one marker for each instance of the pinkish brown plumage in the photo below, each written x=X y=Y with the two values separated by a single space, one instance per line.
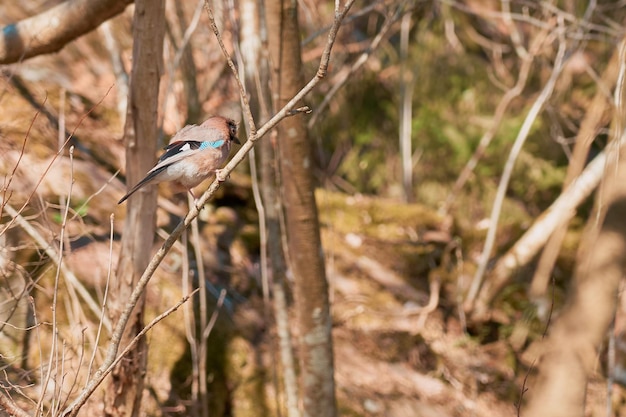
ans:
x=194 y=154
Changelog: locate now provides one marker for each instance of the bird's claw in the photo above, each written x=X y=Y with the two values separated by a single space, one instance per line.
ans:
x=220 y=176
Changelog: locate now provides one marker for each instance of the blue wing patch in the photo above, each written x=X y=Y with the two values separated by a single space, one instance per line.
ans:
x=215 y=144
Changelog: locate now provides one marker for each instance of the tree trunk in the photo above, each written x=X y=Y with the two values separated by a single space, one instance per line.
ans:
x=123 y=396
x=303 y=235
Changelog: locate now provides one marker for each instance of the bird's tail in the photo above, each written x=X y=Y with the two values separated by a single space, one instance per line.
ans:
x=132 y=191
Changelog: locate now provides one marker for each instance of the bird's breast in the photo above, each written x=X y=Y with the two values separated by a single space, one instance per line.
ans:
x=194 y=170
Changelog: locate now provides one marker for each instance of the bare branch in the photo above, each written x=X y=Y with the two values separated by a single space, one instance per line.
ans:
x=147 y=328
x=51 y=30
x=14 y=410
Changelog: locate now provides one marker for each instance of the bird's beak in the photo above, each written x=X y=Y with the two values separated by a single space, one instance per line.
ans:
x=236 y=140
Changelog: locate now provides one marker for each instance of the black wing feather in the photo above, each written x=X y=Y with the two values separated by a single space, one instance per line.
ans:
x=176 y=147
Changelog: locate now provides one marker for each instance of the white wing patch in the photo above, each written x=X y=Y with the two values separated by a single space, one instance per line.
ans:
x=185 y=147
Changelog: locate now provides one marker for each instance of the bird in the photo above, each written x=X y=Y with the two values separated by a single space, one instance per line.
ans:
x=194 y=154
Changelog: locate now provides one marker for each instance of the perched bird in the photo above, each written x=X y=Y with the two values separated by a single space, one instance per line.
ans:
x=194 y=154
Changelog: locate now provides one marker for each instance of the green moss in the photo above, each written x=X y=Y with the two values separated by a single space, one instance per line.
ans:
x=374 y=217
x=536 y=180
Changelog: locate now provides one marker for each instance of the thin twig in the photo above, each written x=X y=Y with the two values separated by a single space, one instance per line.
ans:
x=105 y=296
x=8 y=314
x=54 y=348
x=220 y=302
x=524 y=388
x=85 y=203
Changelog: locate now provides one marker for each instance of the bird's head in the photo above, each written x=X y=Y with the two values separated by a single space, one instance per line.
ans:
x=232 y=131
x=225 y=126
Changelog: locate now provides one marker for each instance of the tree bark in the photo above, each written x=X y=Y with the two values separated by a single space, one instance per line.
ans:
x=51 y=30
x=303 y=235
x=123 y=396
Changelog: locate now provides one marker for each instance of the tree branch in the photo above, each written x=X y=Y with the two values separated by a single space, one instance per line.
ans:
x=14 y=410
x=51 y=30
